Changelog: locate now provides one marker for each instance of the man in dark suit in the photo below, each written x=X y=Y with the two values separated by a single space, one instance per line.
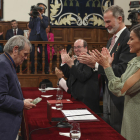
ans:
x=82 y=80
x=114 y=22
x=14 y=31
x=12 y=102
x=38 y=27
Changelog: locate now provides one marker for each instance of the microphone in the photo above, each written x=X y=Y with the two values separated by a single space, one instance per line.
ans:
x=63 y=124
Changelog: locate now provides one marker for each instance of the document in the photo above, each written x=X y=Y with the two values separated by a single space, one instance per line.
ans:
x=47 y=96
x=79 y=115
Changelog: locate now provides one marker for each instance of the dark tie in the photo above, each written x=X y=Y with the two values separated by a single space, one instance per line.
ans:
x=15 y=32
x=76 y=63
x=38 y=26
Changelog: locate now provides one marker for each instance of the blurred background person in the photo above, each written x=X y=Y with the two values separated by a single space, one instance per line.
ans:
x=27 y=32
x=38 y=27
x=14 y=31
x=50 y=37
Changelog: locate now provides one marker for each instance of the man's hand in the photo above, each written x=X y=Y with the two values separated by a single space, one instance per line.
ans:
x=69 y=61
x=1 y=33
x=101 y=58
x=28 y=104
x=63 y=53
x=40 y=15
x=58 y=73
x=87 y=59
x=106 y=53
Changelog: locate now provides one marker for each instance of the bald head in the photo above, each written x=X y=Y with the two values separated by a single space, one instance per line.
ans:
x=80 y=46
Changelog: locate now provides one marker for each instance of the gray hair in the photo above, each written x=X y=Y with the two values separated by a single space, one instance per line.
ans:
x=17 y=40
x=116 y=10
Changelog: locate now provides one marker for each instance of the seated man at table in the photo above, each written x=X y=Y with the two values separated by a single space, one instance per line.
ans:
x=82 y=80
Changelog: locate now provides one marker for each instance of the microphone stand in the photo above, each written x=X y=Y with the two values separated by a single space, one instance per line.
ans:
x=63 y=124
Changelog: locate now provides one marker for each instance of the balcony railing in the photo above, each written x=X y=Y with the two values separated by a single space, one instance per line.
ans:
x=58 y=46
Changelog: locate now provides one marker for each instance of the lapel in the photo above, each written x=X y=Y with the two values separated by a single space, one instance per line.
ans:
x=119 y=41
x=11 y=32
x=73 y=79
x=109 y=43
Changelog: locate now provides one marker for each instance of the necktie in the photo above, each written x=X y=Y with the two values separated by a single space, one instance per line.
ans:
x=15 y=32
x=112 y=42
x=38 y=26
x=76 y=63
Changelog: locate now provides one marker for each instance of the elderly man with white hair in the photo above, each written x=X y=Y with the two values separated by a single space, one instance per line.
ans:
x=12 y=102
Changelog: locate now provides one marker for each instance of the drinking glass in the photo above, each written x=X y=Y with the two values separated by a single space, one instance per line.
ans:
x=43 y=86
x=75 y=132
x=59 y=94
x=58 y=104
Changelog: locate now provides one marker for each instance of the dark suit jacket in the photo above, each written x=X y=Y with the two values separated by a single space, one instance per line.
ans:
x=83 y=84
x=122 y=56
x=11 y=100
x=43 y=26
x=10 y=33
x=1 y=37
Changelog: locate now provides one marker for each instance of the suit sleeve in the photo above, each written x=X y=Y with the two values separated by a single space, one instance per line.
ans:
x=31 y=22
x=81 y=73
x=7 y=101
x=1 y=37
x=66 y=70
x=44 y=22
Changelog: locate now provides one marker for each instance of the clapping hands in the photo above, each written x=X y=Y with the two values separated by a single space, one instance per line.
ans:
x=66 y=58
x=58 y=73
x=87 y=59
x=104 y=58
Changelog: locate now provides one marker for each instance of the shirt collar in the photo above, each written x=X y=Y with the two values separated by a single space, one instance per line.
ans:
x=14 y=29
x=119 y=33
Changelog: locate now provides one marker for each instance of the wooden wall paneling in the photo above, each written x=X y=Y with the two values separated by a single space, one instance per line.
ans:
x=65 y=31
x=93 y=35
x=1 y=28
x=58 y=34
x=71 y=35
x=34 y=80
x=28 y=81
x=77 y=33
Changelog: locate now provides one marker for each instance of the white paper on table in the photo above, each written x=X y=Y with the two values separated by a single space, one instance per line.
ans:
x=40 y=89
x=64 y=134
x=79 y=115
x=53 y=107
x=47 y=96
x=50 y=88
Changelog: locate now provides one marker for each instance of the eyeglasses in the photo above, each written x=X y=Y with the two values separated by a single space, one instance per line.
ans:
x=78 y=47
